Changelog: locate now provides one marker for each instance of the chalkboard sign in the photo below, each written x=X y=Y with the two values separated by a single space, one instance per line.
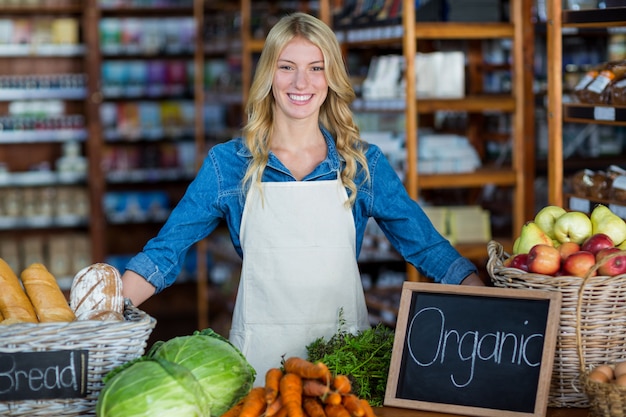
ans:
x=480 y=351
x=43 y=375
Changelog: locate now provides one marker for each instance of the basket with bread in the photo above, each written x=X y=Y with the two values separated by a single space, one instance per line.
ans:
x=36 y=316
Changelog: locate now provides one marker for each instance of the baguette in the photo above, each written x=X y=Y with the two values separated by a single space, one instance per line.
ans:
x=15 y=305
x=47 y=298
x=95 y=288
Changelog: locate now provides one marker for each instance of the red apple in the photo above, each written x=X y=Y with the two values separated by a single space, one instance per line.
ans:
x=519 y=261
x=567 y=248
x=596 y=242
x=613 y=266
x=579 y=263
x=544 y=259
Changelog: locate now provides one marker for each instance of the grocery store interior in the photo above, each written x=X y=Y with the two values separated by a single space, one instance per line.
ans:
x=107 y=108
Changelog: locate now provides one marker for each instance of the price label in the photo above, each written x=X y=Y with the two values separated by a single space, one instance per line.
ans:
x=604 y=113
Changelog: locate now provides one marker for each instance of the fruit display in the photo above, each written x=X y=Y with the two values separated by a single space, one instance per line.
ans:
x=558 y=242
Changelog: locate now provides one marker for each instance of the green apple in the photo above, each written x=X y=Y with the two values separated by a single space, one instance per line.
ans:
x=573 y=226
x=546 y=217
x=603 y=220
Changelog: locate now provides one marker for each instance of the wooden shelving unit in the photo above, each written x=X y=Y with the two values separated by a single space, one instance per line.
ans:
x=560 y=20
x=519 y=175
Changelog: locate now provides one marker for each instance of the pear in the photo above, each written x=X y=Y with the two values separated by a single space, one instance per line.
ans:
x=573 y=226
x=603 y=220
x=530 y=235
x=546 y=217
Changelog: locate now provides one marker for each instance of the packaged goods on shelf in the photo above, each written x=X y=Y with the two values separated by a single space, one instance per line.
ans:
x=475 y=10
x=460 y=224
x=439 y=153
x=440 y=74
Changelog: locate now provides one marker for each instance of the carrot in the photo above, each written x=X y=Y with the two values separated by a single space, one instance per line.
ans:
x=290 y=389
x=305 y=369
x=314 y=388
x=272 y=380
x=273 y=408
x=313 y=407
x=235 y=410
x=282 y=412
x=336 y=410
x=254 y=403
x=342 y=384
x=353 y=405
x=326 y=375
x=333 y=398
x=367 y=408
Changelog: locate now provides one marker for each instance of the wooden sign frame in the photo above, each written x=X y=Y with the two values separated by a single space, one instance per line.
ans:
x=546 y=301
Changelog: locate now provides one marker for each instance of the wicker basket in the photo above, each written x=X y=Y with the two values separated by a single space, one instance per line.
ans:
x=606 y=399
x=109 y=344
x=593 y=306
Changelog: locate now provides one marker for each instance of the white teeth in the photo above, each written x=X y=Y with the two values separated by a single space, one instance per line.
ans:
x=300 y=98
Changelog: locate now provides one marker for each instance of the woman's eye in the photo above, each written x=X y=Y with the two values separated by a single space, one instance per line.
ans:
x=285 y=67
x=318 y=68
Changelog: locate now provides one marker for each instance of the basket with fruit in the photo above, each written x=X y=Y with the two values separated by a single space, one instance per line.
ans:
x=581 y=256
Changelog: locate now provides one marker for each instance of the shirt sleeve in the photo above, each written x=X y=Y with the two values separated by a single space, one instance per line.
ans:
x=193 y=218
x=408 y=228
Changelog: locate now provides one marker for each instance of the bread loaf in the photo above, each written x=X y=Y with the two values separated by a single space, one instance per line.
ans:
x=15 y=306
x=101 y=315
x=45 y=295
x=97 y=287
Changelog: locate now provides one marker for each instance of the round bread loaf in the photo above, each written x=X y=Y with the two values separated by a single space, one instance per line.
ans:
x=97 y=287
x=101 y=315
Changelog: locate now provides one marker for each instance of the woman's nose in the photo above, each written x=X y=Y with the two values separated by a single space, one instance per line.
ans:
x=301 y=79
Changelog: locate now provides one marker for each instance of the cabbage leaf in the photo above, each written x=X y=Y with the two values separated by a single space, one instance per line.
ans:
x=149 y=387
x=221 y=369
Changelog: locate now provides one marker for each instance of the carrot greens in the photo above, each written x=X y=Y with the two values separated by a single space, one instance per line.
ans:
x=364 y=357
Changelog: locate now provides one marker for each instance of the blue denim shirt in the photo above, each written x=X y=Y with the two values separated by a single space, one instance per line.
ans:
x=215 y=195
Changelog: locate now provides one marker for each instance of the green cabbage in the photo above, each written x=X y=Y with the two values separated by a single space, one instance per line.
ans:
x=150 y=387
x=223 y=372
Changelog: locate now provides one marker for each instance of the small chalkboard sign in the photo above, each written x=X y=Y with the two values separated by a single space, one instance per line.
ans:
x=479 y=351
x=43 y=375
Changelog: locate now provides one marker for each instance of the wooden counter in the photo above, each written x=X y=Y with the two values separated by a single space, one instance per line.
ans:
x=402 y=412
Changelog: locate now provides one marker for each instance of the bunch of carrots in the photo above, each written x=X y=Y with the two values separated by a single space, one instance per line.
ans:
x=302 y=389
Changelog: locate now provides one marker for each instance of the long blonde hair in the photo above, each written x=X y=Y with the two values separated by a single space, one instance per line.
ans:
x=335 y=113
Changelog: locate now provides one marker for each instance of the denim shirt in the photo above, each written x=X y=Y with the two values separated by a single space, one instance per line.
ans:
x=216 y=195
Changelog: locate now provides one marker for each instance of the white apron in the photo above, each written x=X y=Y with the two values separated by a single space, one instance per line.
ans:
x=299 y=270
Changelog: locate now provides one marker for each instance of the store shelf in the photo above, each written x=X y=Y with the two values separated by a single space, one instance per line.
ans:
x=599 y=114
x=595 y=18
x=563 y=22
x=501 y=177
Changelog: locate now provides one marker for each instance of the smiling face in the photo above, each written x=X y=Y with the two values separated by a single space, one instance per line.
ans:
x=299 y=85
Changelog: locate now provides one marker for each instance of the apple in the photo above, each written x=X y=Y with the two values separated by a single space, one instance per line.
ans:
x=615 y=265
x=596 y=242
x=519 y=261
x=573 y=226
x=544 y=259
x=579 y=263
x=567 y=248
x=546 y=217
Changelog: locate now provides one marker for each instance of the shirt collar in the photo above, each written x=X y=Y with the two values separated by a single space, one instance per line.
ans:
x=333 y=159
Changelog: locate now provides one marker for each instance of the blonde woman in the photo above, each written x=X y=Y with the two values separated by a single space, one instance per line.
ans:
x=296 y=191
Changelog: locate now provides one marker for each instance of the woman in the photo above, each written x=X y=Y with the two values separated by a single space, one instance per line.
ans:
x=296 y=192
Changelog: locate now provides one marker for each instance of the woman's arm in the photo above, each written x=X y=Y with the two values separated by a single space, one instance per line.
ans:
x=136 y=288
x=473 y=279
